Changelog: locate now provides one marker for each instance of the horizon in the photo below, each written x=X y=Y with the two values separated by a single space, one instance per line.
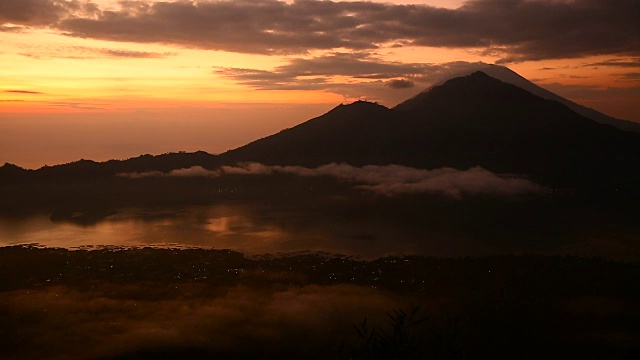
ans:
x=107 y=80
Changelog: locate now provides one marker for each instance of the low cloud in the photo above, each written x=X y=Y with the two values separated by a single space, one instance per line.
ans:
x=393 y=180
x=386 y=180
x=457 y=184
x=251 y=169
x=195 y=171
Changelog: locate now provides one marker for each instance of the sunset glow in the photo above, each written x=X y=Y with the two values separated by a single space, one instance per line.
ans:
x=135 y=60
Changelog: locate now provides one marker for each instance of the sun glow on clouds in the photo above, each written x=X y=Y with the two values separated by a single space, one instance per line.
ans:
x=122 y=76
x=113 y=57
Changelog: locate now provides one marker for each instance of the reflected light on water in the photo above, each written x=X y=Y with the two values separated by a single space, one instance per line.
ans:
x=241 y=228
x=208 y=227
x=228 y=227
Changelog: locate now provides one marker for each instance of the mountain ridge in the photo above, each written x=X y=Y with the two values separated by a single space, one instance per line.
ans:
x=467 y=121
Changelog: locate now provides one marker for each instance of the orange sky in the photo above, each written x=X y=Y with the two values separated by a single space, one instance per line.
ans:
x=78 y=86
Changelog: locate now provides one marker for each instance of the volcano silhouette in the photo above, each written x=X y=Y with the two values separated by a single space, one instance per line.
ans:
x=473 y=120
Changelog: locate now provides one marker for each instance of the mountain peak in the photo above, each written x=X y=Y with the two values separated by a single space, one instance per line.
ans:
x=509 y=76
x=474 y=88
x=7 y=166
x=358 y=106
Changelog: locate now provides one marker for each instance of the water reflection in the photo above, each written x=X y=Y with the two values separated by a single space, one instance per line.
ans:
x=269 y=229
x=241 y=227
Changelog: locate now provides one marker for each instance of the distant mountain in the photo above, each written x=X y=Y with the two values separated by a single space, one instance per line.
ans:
x=88 y=169
x=474 y=120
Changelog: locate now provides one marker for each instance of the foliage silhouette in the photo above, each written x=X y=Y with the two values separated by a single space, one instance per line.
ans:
x=406 y=339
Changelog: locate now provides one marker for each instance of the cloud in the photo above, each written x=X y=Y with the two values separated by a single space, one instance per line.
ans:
x=133 y=54
x=249 y=169
x=73 y=105
x=393 y=180
x=31 y=12
x=194 y=171
x=400 y=84
x=29 y=92
x=634 y=76
x=84 y=52
x=349 y=73
x=387 y=180
x=318 y=70
x=458 y=184
x=12 y=28
x=358 y=73
x=37 y=13
x=518 y=29
x=625 y=63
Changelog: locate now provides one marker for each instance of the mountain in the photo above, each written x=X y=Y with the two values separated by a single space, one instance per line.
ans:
x=474 y=120
x=467 y=121
x=88 y=169
x=509 y=76
x=356 y=134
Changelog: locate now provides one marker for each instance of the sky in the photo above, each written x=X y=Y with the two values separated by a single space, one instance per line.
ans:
x=109 y=79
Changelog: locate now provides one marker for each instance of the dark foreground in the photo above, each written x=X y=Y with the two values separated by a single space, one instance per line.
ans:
x=207 y=304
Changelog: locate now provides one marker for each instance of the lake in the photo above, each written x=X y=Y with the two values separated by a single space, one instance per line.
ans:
x=277 y=229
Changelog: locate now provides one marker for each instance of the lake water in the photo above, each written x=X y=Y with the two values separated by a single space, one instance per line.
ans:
x=257 y=230
x=236 y=227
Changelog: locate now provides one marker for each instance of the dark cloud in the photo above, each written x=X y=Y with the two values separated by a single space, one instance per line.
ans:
x=43 y=12
x=634 y=76
x=258 y=26
x=314 y=73
x=31 y=12
x=367 y=76
x=624 y=63
x=523 y=29
x=84 y=52
x=23 y=92
x=400 y=84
